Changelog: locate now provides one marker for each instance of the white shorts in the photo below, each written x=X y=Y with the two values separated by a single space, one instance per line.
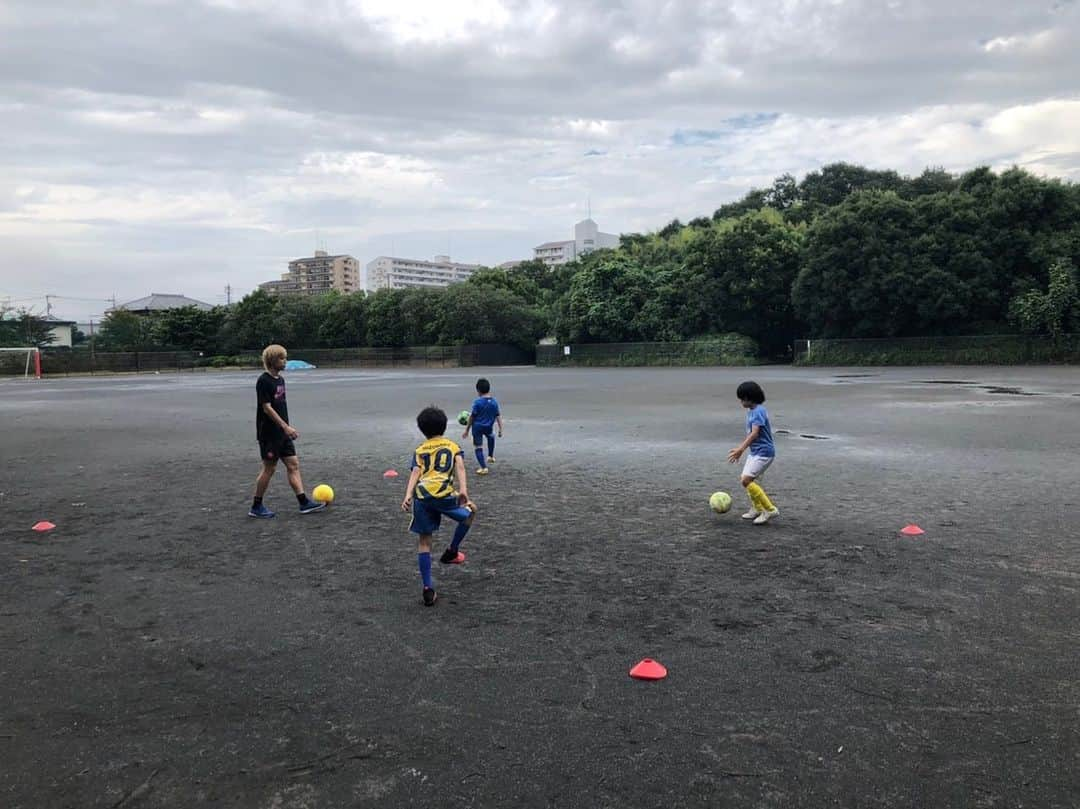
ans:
x=756 y=465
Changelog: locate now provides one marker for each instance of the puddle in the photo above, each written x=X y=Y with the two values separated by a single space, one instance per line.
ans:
x=853 y=376
x=946 y=382
x=811 y=436
x=1008 y=391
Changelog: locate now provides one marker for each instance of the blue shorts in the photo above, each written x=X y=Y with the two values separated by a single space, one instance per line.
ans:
x=427 y=514
x=478 y=433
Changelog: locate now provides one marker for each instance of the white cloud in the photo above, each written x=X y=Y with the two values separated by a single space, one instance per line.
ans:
x=224 y=133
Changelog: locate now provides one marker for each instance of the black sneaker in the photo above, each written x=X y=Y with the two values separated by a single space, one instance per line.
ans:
x=311 y=506
x=452 y=557
x=429 y=597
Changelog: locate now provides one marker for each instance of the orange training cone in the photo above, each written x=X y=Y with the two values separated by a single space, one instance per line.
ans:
x=44 y=525
x=390 y=473
x=648 y=670
x=912 y=530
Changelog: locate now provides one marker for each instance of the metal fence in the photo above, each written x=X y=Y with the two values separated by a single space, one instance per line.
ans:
x=730 y=350
x=993 y=349
x=78 y=361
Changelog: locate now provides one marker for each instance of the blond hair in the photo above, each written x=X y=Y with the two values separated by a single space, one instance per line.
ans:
x=272 y=353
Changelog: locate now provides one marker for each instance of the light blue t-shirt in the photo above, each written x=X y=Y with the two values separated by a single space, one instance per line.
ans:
x=763 y=444
x=484 y=411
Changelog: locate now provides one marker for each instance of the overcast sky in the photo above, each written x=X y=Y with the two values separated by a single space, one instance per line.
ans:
x=161 y=146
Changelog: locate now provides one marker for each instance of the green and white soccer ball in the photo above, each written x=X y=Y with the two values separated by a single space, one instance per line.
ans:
x=720 y=502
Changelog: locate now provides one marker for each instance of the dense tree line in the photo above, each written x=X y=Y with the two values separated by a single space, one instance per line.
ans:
x=460 y=314
x=846 y=252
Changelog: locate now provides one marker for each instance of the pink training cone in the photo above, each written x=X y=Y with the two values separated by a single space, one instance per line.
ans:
x=912 y=530
x=390 y=473
x=44 y=525
x=648 y=670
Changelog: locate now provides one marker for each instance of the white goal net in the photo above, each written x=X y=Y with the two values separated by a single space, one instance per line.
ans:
x=25 y=362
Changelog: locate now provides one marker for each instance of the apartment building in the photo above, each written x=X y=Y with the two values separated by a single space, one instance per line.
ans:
x=391 y=272
x=587 y=237
x=316 y=275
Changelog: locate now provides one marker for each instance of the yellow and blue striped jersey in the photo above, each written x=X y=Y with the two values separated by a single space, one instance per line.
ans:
x=435 y=459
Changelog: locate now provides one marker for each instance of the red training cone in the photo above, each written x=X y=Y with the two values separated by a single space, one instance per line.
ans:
x=912 y=530
x=390 y=473
x=648 y=670
x=44 y=525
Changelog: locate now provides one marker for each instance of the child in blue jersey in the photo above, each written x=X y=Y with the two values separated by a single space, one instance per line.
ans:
x=759 y=441
x=485 y=414
x=437 y=466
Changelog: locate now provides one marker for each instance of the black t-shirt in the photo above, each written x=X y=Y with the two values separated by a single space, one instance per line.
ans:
x=270 y=389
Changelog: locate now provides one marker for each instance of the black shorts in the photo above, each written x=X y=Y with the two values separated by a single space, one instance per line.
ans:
x=275 y=448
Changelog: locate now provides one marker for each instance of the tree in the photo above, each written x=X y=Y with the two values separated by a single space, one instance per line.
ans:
x=1053 y=312
x=741 y=279
x=860 y=272
x=344 y=321
x=610 y=300
x=122 y=330
x=487 y=315
x=384 y=326
x=252 y=324
x=784 y=193
x=834 y=183
x=186 y=328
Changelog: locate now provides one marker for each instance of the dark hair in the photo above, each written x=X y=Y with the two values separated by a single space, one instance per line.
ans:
x=751 y=392
x=431 y=421
x=483 y=386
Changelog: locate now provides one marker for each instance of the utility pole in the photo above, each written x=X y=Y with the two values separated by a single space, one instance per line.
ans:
x=48 y=306
x=228 y=294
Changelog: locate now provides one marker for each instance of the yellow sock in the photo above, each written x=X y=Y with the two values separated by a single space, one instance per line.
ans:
x=752 y=492
x=761 y=500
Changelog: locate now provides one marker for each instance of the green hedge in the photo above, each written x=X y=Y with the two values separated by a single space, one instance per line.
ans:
x=1000 y=349
x=727 y=349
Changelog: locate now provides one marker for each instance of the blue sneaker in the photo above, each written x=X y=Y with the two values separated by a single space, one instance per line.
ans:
x=312 y=505
x=260 y=511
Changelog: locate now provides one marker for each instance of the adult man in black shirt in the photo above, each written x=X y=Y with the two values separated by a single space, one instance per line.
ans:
x=276 y=435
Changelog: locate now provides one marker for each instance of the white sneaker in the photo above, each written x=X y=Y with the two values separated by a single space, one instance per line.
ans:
x=765 y=516
x=751 y=514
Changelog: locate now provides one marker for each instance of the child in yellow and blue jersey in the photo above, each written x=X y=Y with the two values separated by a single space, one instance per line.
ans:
x=437 y=467
x=759 y=440
x=484 y=415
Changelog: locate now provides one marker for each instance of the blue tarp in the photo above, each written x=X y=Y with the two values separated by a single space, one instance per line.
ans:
x=297 y=365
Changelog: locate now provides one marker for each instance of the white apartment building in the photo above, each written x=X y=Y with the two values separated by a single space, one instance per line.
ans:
x=587 y=237
x=391 y=272
x=317 y=274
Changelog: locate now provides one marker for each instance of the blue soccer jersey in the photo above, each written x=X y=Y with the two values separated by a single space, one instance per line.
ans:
x=484 y=411
x=763 y=444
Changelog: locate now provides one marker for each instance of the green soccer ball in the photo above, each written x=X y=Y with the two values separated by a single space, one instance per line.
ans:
x=463 y=417
x=720 y=502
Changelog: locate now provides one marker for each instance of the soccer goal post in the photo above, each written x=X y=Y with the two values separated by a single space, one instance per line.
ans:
x=33 y=357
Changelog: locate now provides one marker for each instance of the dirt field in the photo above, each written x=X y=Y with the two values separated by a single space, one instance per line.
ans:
x=159 y=648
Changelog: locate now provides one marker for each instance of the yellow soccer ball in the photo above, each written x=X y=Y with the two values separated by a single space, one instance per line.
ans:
x=323 y=493
x=720 y=502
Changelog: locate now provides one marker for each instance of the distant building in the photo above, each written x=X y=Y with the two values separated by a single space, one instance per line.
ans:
x=587 y=237
x=316 y=275
x=62 y=331
x=390 y=272
x=156 y=302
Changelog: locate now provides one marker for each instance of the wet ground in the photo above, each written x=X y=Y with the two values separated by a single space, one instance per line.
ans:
x=158 y=648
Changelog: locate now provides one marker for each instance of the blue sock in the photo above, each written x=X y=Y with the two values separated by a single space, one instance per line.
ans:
x=491 y=446
x=480 y=457
x=459 y=534
x=423 y=560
